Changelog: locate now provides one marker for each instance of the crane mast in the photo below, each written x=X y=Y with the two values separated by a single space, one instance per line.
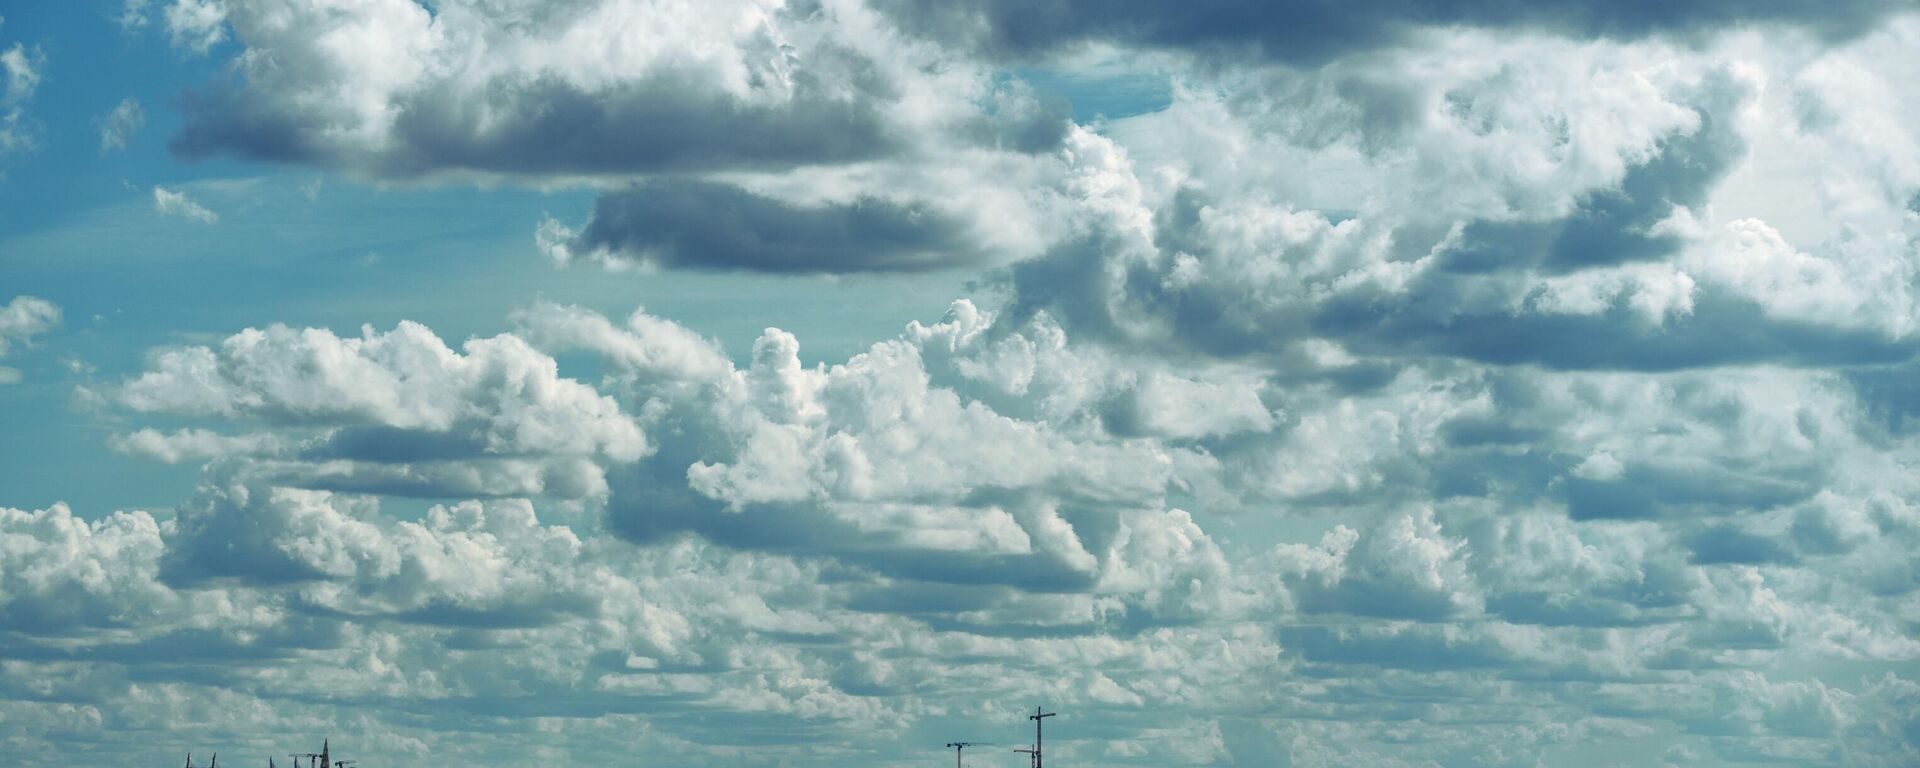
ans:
x=958 y=747
x=1038 y=717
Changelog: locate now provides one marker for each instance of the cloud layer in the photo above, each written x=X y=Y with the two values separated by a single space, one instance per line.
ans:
x=1461 y=385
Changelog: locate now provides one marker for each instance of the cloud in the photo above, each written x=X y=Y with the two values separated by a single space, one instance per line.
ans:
x=188 y=445
x=1480 y=393
x=781 y=456
x=194 y=25
x=471 y=564
x=590 y=89
x=1510 y=262
x=704 y=225
x=810 y=129
x=22 y=66
x=1310 y=33
x=1406 y=569
x=24 y=318
x=813 y=550
x=171 y=203
x=23 y=74
x=133 y=14
x=20 y=320
x=63 y=573
x=119 y=126
x=395 y=412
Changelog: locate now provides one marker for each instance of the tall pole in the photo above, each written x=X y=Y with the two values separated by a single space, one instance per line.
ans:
x=1030 y=754
x=1037 y=717
x=958 y=747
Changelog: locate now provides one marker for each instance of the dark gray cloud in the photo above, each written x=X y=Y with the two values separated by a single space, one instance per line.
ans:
x=1307 y=32
x=1416 y=647
x=1890 y=394
x=1724 y=543
x=1721 y=330
x=1645 y=492
x=663 y=123
x=706 y=225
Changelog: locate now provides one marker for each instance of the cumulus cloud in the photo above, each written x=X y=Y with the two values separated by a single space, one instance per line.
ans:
x=748 y=135
x=1465 y=390
x=20 y=320
x=579 y=89
x=24 y=318
x=869 y=461
x=1506 y=258
x=1408 y=569
x=397 y=411
x=64 y=572
x=472 y=562
x=798 y=543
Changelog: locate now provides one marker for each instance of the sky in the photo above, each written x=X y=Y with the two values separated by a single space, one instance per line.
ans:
x=638 y=382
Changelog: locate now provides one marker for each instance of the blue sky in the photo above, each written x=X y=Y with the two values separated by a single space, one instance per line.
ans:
x=818 y=383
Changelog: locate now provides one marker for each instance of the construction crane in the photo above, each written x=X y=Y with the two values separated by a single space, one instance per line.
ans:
x=320 y=759
x=959 y=747
x=1038 y=717
x=1030 y=756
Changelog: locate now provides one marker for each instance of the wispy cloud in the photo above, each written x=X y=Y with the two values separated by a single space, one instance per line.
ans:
x=117 y=129
x=171 y=203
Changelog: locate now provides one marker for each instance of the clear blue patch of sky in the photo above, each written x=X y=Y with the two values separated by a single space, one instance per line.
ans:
x=1105 y=94
x=88 y=64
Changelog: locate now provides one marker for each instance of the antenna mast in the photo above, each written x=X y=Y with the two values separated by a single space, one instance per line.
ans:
x=1038 y=717
x=958 y=747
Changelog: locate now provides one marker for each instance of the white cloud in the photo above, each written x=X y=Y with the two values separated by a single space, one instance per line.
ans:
x=396 y=82
x=63 y=573
x=1436 y=403
x=172 y=203
x=119 y=126
x=396 y=411
x=187 y=444
x=194 y=25
x=20 y=320
x=22 y=67
x=24 y=318
x=133 y=14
